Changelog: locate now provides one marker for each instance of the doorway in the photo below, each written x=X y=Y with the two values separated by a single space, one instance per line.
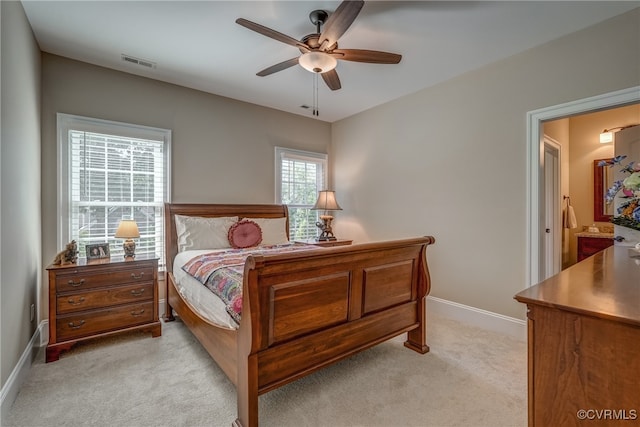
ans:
x=536 y=221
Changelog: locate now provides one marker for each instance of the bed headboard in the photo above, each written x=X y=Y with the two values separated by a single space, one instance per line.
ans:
x=212 y=210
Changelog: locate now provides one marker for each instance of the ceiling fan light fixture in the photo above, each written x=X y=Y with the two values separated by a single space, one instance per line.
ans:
x=317 y=62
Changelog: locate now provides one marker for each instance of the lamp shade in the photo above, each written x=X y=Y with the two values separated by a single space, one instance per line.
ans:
x=327 y=201
x=128 y=229
x=317 y=62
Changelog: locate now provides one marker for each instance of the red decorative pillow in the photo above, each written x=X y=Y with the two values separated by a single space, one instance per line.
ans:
x=245 y=234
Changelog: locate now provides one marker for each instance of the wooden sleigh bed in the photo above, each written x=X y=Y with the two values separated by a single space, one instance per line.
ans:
x=306 y=310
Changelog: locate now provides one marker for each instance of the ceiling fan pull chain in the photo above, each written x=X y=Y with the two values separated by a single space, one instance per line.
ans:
x=315 y=95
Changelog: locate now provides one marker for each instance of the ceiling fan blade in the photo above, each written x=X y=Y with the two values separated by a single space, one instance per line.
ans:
x=331 y=79
x=339 y=22
x=271 y=33
x=278 y=67
x=363 y=55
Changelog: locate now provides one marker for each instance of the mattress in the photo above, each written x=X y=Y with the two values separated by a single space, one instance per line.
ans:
x=201 y=299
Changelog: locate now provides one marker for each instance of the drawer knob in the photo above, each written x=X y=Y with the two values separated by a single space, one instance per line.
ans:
x=76 y=284
x=137 y=313
x=73 y=325
x=137 y=292
x=74 y=302
x=137 y=276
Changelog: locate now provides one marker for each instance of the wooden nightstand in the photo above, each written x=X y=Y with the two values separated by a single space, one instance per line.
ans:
x=338 y=242
x=100 y=298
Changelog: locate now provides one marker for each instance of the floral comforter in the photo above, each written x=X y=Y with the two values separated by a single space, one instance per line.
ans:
x=221 y=272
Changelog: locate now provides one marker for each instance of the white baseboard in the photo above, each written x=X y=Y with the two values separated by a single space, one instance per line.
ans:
x=477 y=317
x=11 y=388
x=39 y=339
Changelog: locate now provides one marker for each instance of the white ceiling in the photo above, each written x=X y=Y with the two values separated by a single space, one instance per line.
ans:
x=197 y=44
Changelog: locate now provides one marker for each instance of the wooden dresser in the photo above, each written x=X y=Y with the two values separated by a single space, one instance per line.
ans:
x=100 y=298
x=584 y=343
x=591 y=243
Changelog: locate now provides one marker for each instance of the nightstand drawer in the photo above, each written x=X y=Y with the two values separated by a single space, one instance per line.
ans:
x=79 y=280
x=105 y=297
x=91 y=322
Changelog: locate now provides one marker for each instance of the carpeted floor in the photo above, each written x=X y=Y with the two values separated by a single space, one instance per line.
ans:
x=471 y=377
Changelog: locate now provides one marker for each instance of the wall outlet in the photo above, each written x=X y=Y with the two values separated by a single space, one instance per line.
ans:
x=33 y=312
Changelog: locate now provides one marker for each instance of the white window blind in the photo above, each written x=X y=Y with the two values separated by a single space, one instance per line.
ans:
x=113 y=171
x=299 y=177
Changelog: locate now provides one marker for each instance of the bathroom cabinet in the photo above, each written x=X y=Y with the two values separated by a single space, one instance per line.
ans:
x=590 y=244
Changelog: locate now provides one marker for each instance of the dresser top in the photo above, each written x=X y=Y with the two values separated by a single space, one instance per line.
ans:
x=103 y=261
x=605 y=285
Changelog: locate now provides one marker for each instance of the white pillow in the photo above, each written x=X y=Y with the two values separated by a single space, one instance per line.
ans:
x=195 y=232
x=273 y=230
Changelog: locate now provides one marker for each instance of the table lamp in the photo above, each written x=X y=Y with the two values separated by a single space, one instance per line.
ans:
x=128 y=230
x=326 y=202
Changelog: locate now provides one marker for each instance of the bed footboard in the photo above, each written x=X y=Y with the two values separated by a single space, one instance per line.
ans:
x=303 y=311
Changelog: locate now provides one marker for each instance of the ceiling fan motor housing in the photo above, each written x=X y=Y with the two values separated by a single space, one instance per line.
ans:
x=313 y=42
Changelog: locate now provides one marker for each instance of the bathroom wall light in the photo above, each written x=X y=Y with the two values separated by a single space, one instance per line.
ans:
x=607 y=135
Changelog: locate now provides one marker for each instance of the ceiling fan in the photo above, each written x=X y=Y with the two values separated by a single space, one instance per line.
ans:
x=320 y=50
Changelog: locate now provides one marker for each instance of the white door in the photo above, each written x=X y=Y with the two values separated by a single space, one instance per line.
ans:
x=552 y=232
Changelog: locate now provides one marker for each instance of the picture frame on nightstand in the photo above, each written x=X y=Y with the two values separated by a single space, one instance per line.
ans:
x=98 y=251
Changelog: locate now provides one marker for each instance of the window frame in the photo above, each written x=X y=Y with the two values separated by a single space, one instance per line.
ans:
x=68 y=122
x=310 y=156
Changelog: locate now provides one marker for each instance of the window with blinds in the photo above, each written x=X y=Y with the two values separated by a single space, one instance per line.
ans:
x=299 y=177
x=113 y=171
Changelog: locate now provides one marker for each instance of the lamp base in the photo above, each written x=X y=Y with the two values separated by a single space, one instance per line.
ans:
x=325 y=226
x=129 y=247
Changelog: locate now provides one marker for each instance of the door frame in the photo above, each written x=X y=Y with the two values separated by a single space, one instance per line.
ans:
x=535 y=147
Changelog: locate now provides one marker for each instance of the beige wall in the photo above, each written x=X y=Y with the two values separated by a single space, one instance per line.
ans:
x=222 y=149
x=451 y=160
x=20 y=185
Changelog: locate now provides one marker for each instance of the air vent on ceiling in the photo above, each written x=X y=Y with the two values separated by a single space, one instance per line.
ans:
x=138 y=61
